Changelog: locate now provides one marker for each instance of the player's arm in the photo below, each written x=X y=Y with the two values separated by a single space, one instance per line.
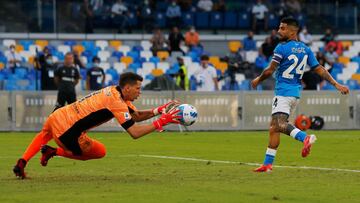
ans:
x=267 y=72
x=137 y=130
x=320 y=70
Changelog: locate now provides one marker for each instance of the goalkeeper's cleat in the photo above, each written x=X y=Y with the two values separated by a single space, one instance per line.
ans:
x=264 y=168
x=309 y=140
x=47 y=153
x=19 y=168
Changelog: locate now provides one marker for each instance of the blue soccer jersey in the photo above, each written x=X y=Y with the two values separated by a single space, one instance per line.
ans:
x=292 y=57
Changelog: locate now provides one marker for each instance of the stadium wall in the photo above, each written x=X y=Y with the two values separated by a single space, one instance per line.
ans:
x=26 y=111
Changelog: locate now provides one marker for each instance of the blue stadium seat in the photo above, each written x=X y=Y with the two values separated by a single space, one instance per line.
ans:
x=70 y=43
x=273 y=21
x=26 y=43
x=133 y=21
x=21 y=72
x=88 y=54
x=113 y=73
x=154 y=59
x=353 y=84
x=188 y=19
x=88 y=45
x=117 y=54
x=161 y=20
x=202 y=20
x=133 y=54
x=244 y=20
x=216 y=20
x=230 y=20
x=137 y=48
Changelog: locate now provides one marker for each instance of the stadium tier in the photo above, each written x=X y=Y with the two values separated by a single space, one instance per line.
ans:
x=118 y=57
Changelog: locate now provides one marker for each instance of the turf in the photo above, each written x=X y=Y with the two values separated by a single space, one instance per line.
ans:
x=123 y=176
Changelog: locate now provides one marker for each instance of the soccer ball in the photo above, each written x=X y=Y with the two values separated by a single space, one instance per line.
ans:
x=188 y=114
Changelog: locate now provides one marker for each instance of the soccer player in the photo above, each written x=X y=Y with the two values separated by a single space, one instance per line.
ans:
x=289 y=60
x=68 y=125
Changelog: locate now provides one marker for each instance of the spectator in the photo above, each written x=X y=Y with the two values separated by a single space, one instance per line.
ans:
x=293 y=6
x=13 y=59
x=261 y=61
x=95 y=76
x=267 y=48
x=337 y=45
x=158 y=41
x=66 y=78
x=259 y=12
x=182 y=79
x=175 y=38
x=328 y=37
x=331 y=55
x=305 y=36
x=206 y=76
x=146 y=16
x=78 y=63
x=119 y=16
x=47 y=68
x=234 y=60
x=92 y=8
x=192 y=38
x=249 y=42
x=173 y=14
x=205 y=5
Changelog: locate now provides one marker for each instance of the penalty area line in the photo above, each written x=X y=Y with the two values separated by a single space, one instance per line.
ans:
x=248 y=164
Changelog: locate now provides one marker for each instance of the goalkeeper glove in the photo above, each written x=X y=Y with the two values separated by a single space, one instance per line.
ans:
x=161 y=109
x=166 y=118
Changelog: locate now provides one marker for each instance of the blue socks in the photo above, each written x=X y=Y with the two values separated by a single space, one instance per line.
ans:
x=298 y=134
x=269 y=156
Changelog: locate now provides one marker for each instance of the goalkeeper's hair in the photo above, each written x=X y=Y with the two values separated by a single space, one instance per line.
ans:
x=129 y=78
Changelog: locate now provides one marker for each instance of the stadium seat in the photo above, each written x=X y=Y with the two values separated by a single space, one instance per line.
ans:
x=64 y=49
x=146 y=44
x=2 y=65
x=230 y=20
x=137 y=48
x=192 y=68
x=188 y=18
x=103 y=55
x=214 y=60
x=26 y=55
x=42 y=43
x=70 y=43
x=163 y=66
x=147 y=67
x=102 y=44
x=26 y=44
x=244 y=21
x=116 y=44
x=19 y=48
x=216 y=20
x=157 y=72
x=88 y=45
x=163 y=55
x=222 y=66
x=117 y=54
x=234 y=46
x=344 y=60
x=250 y=56
x=146 y=54
x=273 y=21
x=124 y=49
x=34 y=49
x=133 y=54
x=353 y=84
x=105 y=66
x=8 y=42
x=127 y=60
x=78 y=48
x=202 y=19
x=160 y=20
x=154 y=59
x=346 y=44
x=119 y=67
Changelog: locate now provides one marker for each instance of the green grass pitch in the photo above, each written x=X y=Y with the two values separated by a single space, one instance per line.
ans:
x=124 y=176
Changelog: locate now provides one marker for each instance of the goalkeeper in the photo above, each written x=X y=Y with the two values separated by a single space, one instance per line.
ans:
x=68 y=125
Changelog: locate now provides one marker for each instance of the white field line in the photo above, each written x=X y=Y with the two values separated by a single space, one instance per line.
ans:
x=249 y=164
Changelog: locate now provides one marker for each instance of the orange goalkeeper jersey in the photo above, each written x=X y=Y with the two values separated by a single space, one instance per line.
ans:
x=91 y=111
